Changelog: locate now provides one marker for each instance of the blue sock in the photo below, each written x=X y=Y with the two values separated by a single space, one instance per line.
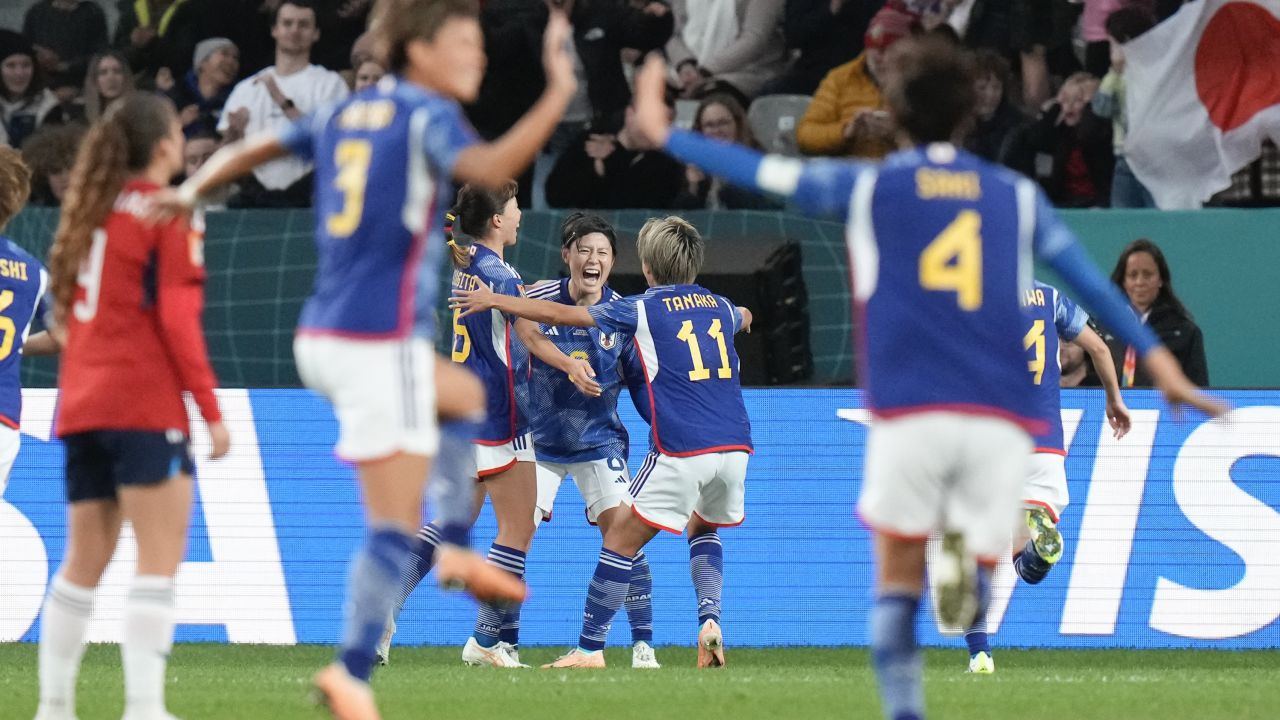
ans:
x=451 y=488
x=371 y=590
x=513 y=562
x=640 y=600
x=422 y=557
x=976 y=636
x=605 y=596
x=896 y=657
x=1030 y=566
x=706 y=565
x=490 y=619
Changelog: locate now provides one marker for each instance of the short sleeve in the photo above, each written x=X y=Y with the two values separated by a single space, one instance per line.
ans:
x=1069 y=318
x=446 y=135
x=619 y=316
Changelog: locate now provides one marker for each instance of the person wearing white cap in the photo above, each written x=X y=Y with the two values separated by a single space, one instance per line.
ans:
x=203 y=92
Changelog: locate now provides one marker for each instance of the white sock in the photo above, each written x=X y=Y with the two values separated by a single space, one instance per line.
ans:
x=63 y=623
x=148 y=637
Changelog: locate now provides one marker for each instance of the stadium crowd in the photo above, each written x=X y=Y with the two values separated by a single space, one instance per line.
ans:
x=1051 y=85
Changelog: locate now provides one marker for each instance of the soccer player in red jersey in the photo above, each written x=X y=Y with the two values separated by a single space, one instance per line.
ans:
x=129 y=296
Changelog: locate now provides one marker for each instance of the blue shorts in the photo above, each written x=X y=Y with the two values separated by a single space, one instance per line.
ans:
x=99 y=461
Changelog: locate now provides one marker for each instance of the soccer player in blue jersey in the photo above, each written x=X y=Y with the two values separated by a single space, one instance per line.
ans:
x=694 y=477
x=385 y=161
x=1051 y=318
x=580 y=435
x=940 y=246
x=23 y=282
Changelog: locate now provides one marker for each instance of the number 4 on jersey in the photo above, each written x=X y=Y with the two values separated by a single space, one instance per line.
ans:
x=953 y=261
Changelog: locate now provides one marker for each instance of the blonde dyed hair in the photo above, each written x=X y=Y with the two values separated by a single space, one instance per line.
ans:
x=672 y=249
x=15 y=184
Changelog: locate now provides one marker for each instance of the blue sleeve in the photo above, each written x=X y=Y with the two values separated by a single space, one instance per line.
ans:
x=1056 y=244
x=447 y=134
x=826 y=187
x=1069 y=317
x=633 y=376
x=298 y=137
x=618 y=316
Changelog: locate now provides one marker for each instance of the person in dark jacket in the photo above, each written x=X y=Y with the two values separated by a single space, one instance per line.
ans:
x=601 y=30
x=1143 y=274
x=161 y=34
x=825 y=34
x=65 y=34
x=997 y=117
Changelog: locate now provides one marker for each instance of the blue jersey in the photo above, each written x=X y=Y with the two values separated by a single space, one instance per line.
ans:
x=1051 y=315
x=684 y=337
x=568 y=426
x=487 y=344
x=384 y=161
x=23 y=281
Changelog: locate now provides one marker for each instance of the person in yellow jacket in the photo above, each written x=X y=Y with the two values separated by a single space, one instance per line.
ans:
x=847 y=117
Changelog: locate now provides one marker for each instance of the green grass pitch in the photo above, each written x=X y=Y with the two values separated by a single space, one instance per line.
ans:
x=251 y=682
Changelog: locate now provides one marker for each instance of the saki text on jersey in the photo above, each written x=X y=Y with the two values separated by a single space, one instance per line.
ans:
x=940 y=247
x=1050 y=316
x=684 y=336
x=23 y=281
x=487 y=344
x=568 y=426
x=383 y=161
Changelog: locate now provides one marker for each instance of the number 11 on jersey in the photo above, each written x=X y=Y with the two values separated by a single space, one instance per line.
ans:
x=700 y=370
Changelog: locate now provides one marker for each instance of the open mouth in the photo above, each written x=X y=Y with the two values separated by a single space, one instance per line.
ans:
x=592 y=275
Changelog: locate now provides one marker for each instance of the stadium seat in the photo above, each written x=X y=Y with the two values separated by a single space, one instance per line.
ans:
x=773 y=121
x=686 y=110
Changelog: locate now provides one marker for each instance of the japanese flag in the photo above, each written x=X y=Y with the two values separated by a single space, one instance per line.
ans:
x=1203 y=92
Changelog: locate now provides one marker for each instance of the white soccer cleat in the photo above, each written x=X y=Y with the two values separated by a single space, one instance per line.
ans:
x=710 y=645
x=982 y=664
x=513 y=652
x=496 y=656
x=956 y=573
x=52 y=712
x=643 y=657
x=383 y=650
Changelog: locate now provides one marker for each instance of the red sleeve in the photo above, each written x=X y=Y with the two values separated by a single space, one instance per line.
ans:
x=180 y=302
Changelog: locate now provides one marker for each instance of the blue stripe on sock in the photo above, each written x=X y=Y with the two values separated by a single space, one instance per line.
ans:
x=495 y=625
x=605 y=596
x=371 y=592
x=706 y=566
x=1030 y=566
x=896 y=656
x=639 y=602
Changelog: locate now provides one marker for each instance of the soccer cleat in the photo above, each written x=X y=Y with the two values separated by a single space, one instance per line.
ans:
x=346 y=697
x=1045 y=537
x=643 y=657
x=956 y=573
x=383 y=650
x=497 y=656
x=461 y=569
x=578 y=658
x=982 y=664
x=710 y=645
x=513 y=652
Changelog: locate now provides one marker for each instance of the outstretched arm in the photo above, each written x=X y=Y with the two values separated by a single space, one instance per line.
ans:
x=579 y=371
x=231 y=162
x=471 y=302
x=1117 y=412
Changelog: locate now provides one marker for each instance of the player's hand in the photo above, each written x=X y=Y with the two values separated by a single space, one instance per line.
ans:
x=556 y=61
x=746 y=319
x=470 y=302
x=651 y=116
x=1176 y=388
x=164 y=205
x=583 y=377
x=1118 y=417
x=220 y=439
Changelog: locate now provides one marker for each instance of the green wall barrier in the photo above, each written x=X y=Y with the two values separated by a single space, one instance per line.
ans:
x=260 y=266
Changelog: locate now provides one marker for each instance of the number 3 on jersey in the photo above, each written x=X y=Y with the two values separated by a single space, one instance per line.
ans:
x=953 y=261
x=700 y=370
x=352 y=159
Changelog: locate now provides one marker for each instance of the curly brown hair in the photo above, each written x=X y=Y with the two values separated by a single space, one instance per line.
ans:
x=15 y=184
x=49 y=151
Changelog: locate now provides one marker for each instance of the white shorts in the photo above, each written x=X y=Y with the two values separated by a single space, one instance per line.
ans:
x=493 y=459
x=945 y=471
x=668 y=491
x=602 y=483
x=1046 y=484
x=383 y=393
x=10 y=442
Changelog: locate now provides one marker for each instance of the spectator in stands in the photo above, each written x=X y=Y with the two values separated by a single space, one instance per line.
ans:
x=204 y=90
x=50 y=152
x=1256 y=184
x=727 y=45
x=720 y=117
x=24 y=100
x=368 y=73
x=602 y=170
x=108 y=79
x=65 y=33
x=1041 y=31
x=1143 y=274
x=602 y=29
x=196 y=151
x=1068 y=149
x=161 y=35
x=68 y=88
x=1123 y=25
x=847 y=116
x=996 y=117
x=822 y=34
x=276 y=96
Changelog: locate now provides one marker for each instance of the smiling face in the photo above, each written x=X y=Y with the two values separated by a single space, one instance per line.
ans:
x=1142 y=281
x=15 y=73
x=508 y=223
x=718 y=123
x=222 y=65
x=590 y=260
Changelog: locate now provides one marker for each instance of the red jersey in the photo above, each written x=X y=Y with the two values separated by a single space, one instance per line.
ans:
x=134 y=336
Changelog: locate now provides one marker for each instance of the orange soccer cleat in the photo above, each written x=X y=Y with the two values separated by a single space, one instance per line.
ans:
x=461 y=569
x=577 y=658
x=710 y=645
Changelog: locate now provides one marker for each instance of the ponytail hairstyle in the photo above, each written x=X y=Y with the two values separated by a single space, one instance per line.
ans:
x=121 y=143
x=472 y=213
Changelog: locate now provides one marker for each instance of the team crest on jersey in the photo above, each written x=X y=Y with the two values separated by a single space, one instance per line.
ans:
x=607 y=341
